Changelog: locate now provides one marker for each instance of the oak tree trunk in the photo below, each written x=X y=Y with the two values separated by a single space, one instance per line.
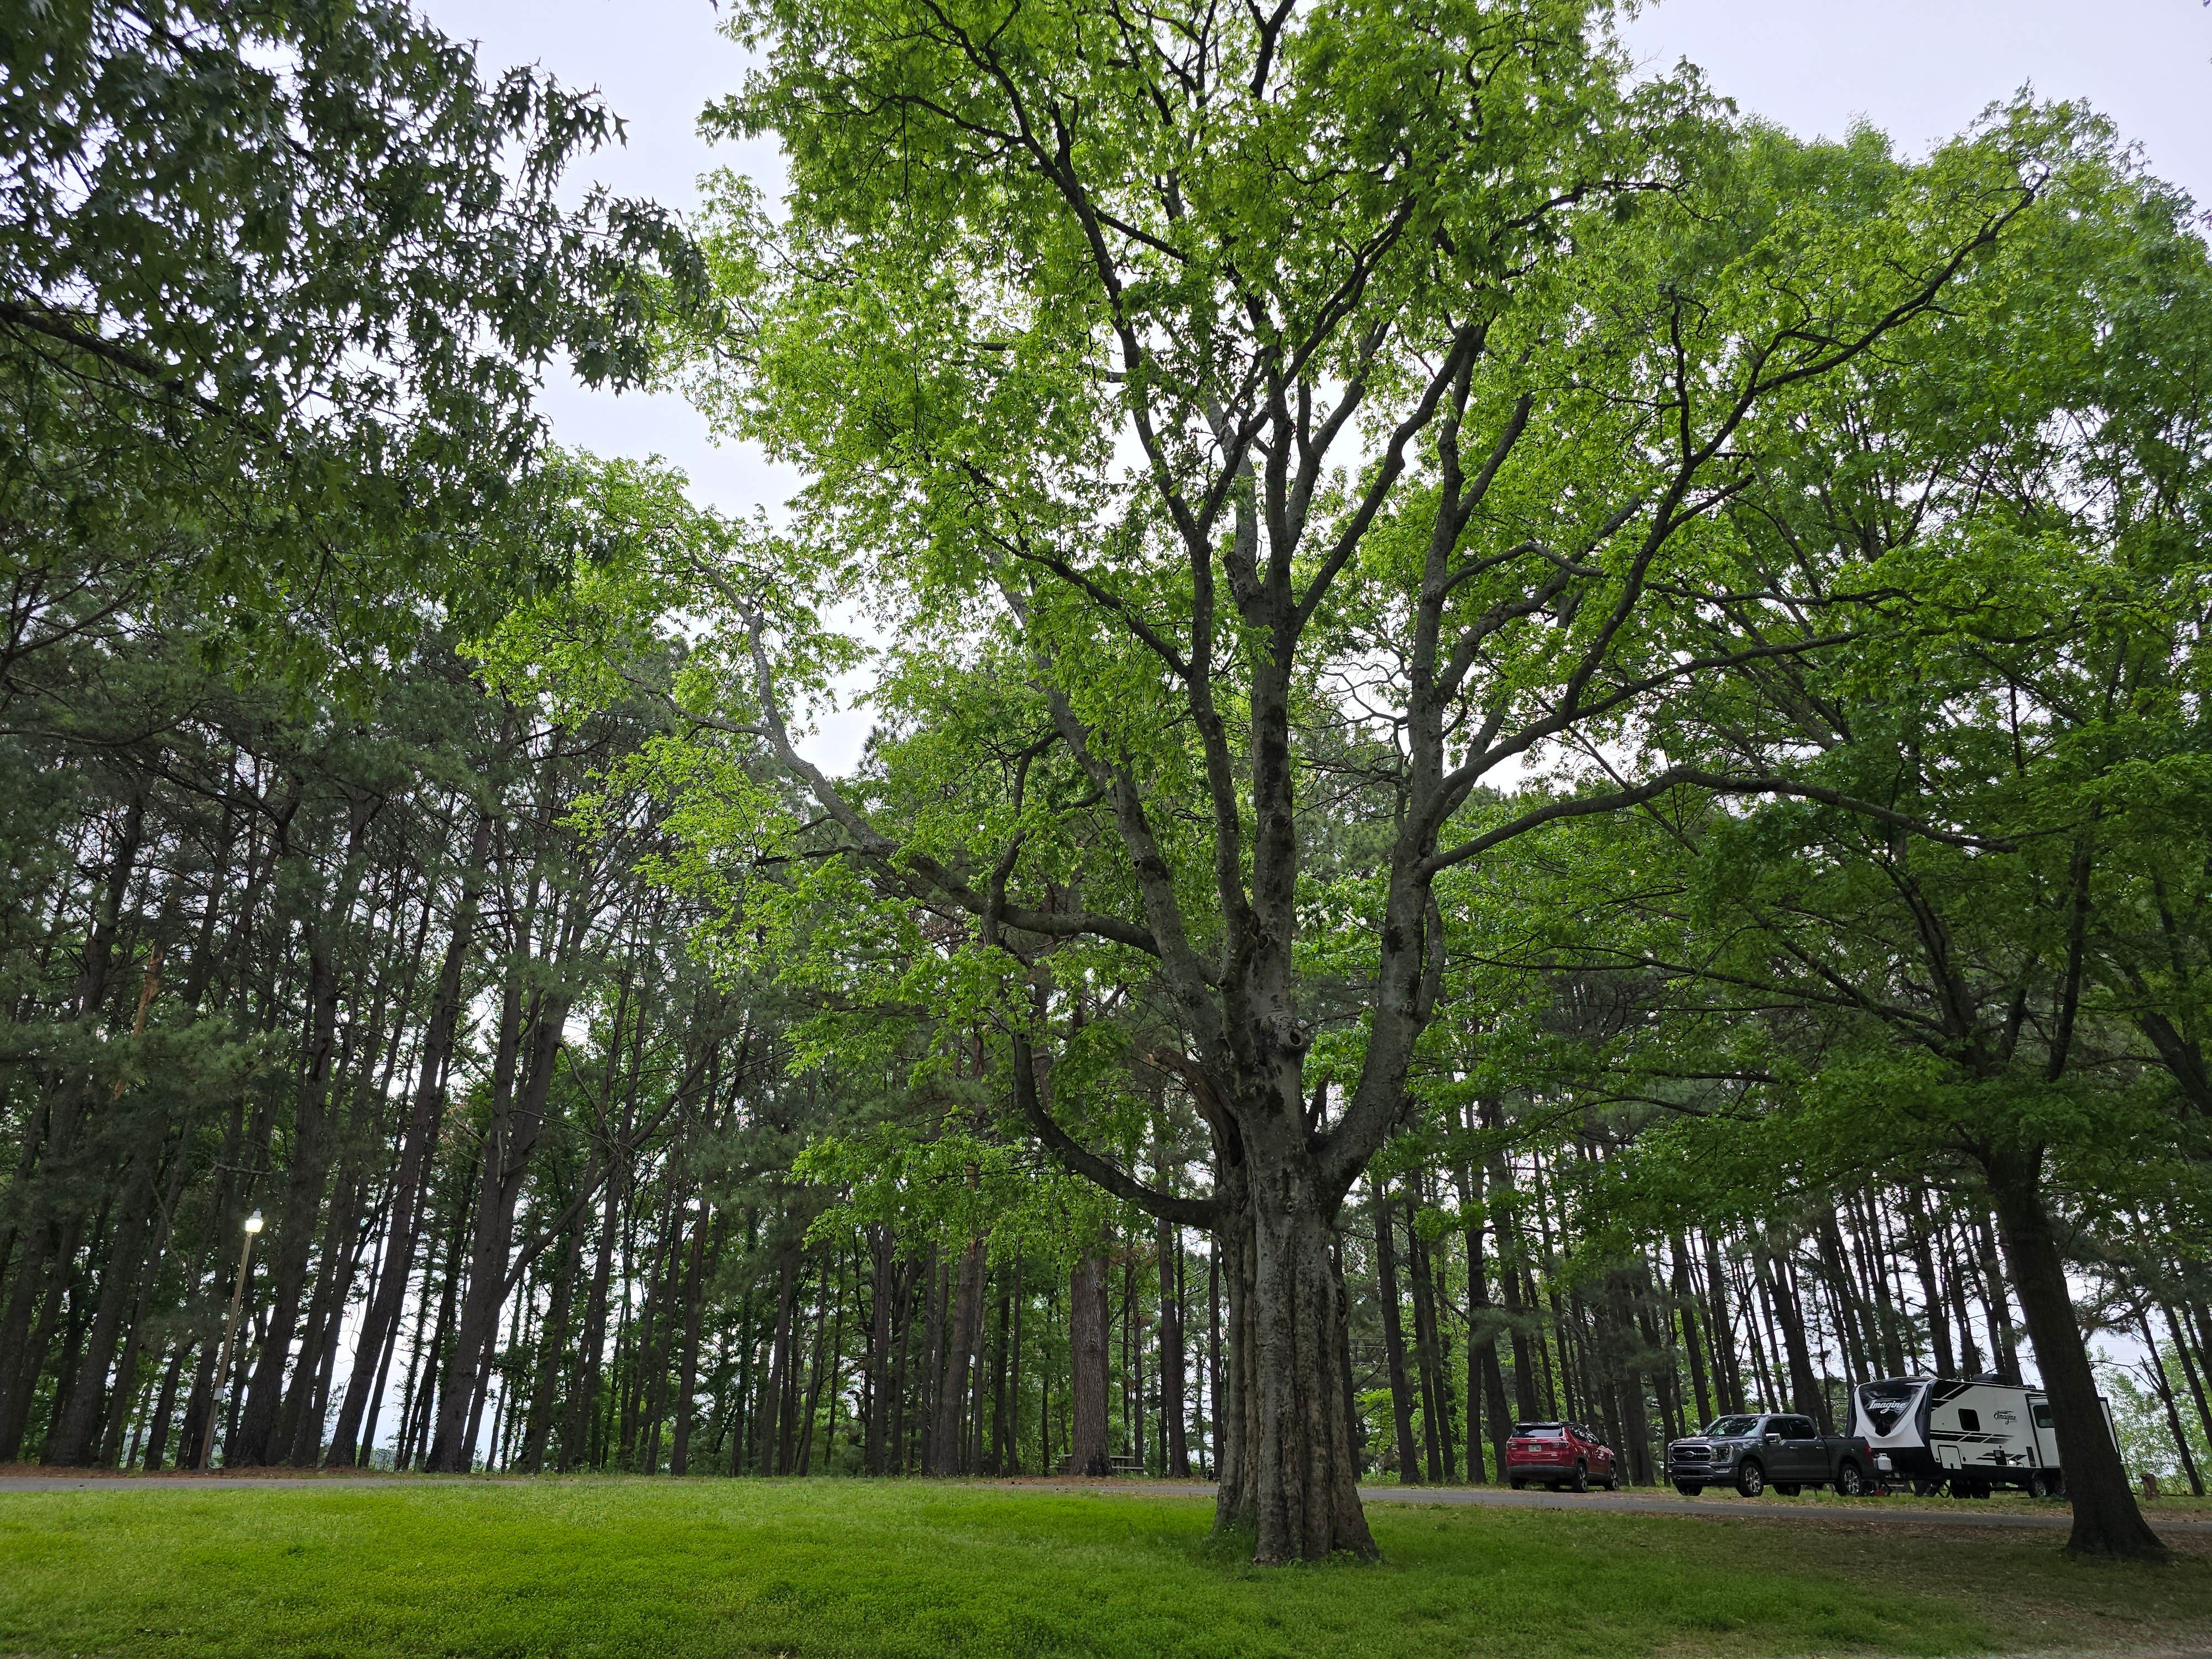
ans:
x=2105 y=1519
x=1292 y=1482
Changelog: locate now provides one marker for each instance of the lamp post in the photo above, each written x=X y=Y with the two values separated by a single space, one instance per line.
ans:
x=229 y=1331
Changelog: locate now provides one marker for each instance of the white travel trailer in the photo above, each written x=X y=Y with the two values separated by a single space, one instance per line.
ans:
x=1977 y=1435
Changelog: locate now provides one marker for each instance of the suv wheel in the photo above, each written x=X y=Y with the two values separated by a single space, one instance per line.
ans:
x=1689 y=1488
x=1612 y=1481
x=1517 y=1484
x=1788 y=1488
x=1581 y=1482
x=1751 y=1479
x=1849 y=1483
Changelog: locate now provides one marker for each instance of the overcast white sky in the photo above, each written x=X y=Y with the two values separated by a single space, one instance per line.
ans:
x=1919 y=69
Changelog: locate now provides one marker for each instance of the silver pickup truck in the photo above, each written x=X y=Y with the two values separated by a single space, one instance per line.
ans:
x=1783 y=1451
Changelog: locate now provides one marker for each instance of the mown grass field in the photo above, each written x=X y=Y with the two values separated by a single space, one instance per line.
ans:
x=716 y=1567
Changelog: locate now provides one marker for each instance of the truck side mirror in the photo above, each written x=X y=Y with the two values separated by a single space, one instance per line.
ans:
x=1773 y=1439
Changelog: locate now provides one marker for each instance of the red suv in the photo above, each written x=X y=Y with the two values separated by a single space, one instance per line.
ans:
x=1560 y=1455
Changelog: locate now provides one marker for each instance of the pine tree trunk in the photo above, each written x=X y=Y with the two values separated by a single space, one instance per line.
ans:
x=1932 y=1295
x=880 y=1385
x=75 y=1436
x=1168 y=1249
x=1685 y=1310
x=768 y=1436
x=687 y=1369
x=1087 y=1379
x=1428 y=1345
x=411 y=1185
x=295 y=1230
x=965 y=1327
x=1728 y=1373
x=1393 y=1336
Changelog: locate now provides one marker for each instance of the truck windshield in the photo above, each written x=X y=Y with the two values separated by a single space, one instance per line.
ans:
x=1733 y=1425
x=1886 y=1403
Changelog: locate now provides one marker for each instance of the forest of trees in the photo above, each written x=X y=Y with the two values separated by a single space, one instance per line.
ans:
x=1536 y=751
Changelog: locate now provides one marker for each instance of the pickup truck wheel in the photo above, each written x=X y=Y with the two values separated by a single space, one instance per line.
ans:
x=1689 y=1488
x=1849 y=1483
x=1581 y=1482
x=1750 y=1478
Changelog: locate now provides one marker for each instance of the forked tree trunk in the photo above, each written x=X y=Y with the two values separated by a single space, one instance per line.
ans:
x=2105 y=1519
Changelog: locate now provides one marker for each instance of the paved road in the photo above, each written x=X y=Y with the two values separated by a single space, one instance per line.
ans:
x=1899 y=1511
x=1874 y=1510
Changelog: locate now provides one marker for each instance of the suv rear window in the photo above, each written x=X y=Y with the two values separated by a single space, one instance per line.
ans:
x=1541 y=1430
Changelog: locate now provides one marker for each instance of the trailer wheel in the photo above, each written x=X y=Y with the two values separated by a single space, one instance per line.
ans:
x=1849 y=1483
x=2039 y=1484
x=1750 y=1478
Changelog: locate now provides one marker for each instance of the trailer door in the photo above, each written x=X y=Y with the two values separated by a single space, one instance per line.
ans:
x=2046 y=1437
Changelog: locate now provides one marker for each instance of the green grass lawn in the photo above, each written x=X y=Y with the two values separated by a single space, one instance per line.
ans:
x=719 y=1567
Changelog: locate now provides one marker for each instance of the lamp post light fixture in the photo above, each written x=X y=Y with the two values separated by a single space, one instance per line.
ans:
x=221 y=1390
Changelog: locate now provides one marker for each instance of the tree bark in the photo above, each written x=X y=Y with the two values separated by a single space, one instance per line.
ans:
x=1178 y=1466
x=1428 y=1348
x=1296 y=1488
x=687 y=1367
x=2105 y=1519
x=885 y=1262
x=1394 y=1338
x=411 y=1185
x=295 y=1229
x=506 y=1163
x=1087 y=1379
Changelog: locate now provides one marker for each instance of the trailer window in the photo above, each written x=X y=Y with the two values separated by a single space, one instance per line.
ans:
x=2042 y=1417
x=1970 y=1420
